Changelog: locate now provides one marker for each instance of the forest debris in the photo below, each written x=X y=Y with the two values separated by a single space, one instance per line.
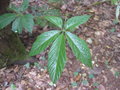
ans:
x=96 y=18
x=89 y=40
x=118 y=35
x=77 y=78
x=95 y=70
x=101 y=87
x=97 y=33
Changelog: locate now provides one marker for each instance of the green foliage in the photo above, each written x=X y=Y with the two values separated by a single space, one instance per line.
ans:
x=6 y=19
x=12 y=87
x=23 y=21
x=76 y=73
x=117 y=13
x=27 y=65
x=55 y=1
x=19 y=20
x=28 y=22
x=74 y=84
x=85 y=82
x=44 y=10
x=23 y=7
x=52 y=12
x=91 y=76
x=37 y=65
x=57 y=53
x=79 y=48
x=55 y=20
x=17 y=25
x=74 y=22
x=43 y=41
x=117 y=74
x=95 y=84
x=57 y=58
x=113 y=30
x=115 y=2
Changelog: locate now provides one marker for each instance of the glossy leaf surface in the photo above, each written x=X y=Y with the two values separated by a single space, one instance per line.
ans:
x=57 y=58
x=43 y=41
x=74 y=22
x=55 y=20
x=80 y=49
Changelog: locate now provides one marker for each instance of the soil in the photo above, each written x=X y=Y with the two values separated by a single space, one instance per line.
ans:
x=103 y=37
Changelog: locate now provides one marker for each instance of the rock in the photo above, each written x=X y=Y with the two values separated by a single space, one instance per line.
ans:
x=118 y=35
x=89 y=40
x=97 y=33
x=96 y=18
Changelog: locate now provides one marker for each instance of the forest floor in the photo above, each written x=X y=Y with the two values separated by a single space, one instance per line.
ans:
x=103 y=37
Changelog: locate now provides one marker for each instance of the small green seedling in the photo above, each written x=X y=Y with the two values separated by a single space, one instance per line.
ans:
x=74 y=84
x=91 y=76
x=37 y=65
x=85 y=82
x=117 y=74
x=27 y=65
x=58 y=39
x=76 y=73
x=12 y=87
x=107 y=63
x=113 y=30
x=95 y=84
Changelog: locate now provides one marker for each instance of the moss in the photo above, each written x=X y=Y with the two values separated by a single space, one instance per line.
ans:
x=11 y=48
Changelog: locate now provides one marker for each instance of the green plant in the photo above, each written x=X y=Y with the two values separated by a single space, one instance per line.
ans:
x=91 y=76
x=12 y=86
x=115 y=2
x=117 y=13
x=85 y=82
x=117 y=74
x=19 y=19
x=40 y=11
x=57 y=54
x=74 y=84
x=27 y=65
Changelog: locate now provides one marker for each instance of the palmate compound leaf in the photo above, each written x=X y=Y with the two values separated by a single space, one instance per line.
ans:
x=55 y=20
x=57 y=58
x=74 y=22
x=24 y=21
x=80 y=49
x=43 y=41
x=6 y=19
